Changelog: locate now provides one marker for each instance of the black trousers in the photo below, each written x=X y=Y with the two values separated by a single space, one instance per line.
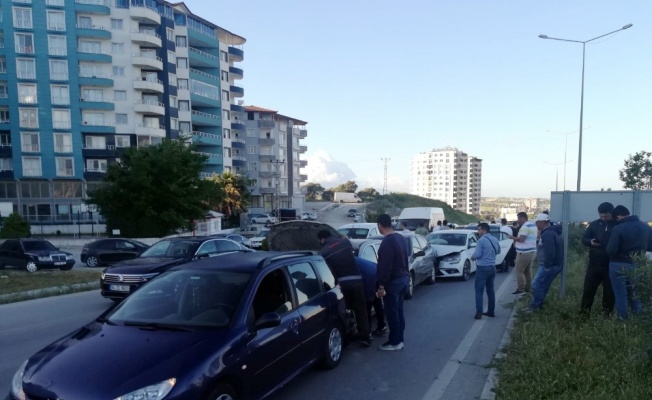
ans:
x=510 y=258
x=354 y=296
x=377 y=305
x=598 y=274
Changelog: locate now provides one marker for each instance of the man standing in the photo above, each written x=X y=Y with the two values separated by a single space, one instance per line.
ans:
x=438 y=227
x=511 y=254
x=553 y=259
x=393 y=280
x=421 y=230
x=526 y=250
x=338 y=254
x=369 y=273
x=485 y=259
x=444 y=226
x=629 y=236
x=596 y=238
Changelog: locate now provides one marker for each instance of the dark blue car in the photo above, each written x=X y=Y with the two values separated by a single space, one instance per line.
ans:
x=232 y=327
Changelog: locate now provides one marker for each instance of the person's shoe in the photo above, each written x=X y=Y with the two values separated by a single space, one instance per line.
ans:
x=391 y=347
x=518 y=292
x=366 y=342
x=381 y=332
x=488 y=314
x=478 y=315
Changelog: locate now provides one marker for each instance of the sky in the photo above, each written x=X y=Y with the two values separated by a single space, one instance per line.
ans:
x=387 y=79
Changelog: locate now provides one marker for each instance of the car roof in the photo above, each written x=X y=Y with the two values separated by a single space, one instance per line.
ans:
x=359 y=225
x=247 y=262
x=467 y=231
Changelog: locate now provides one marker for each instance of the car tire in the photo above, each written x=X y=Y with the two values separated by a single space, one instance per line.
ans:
x=466 y=271
x=92 y=262
x=333 y=348
x=31 y=266
x=67 y=267
x=341 y=201
x=433 y=276
x=410 y=291
x=223 y=391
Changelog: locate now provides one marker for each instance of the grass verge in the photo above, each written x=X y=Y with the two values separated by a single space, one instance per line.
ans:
x=558 y=354
x=21 y=285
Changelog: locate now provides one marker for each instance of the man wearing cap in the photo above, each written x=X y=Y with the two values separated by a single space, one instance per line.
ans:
x=596 y=238
x=629 y=236
x=553 y=259
x=526 y=249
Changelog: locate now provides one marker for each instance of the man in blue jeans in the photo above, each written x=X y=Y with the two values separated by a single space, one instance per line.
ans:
x=629 y=236
x=485 y=259
x=551 y=263
x=393 y=281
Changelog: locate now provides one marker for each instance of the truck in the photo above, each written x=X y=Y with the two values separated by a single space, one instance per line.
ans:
x=413 y=216
x=345 y=197
x=287 y=214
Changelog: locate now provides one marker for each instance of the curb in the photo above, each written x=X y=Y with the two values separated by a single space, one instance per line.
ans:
x=48 y=292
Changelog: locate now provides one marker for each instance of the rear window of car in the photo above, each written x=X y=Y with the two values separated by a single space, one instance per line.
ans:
x=354 y=233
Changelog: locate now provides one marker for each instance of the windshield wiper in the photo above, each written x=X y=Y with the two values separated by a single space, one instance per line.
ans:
x=158 y=326
x=105 y=321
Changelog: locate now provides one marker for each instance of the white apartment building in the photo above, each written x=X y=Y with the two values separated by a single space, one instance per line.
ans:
x=449 y=175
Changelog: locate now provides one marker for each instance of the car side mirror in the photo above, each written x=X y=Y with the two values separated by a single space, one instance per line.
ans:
x=420 y=253
x=269 y=320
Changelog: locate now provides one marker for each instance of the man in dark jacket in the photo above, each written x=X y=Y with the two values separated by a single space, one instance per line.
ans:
x=630 y=236
x=369 y=273
x=338 y=254
x=596 y=238
x=553 y=259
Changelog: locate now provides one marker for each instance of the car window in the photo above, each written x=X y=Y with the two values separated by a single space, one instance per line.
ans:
x=369 y=254
x=37 y=245
x=472 y=240
x=124 y=245
x=105 y=245
x=207 y=248
x=374 y=232
x=306 y=284
x=326 y=275
x=272 y=295
x=8 y=245
x=226 y=245
x=416 y=247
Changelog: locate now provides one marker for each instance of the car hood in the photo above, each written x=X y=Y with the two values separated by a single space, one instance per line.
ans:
x=445 y=250
x=297 y=235
x=45 y=253
x=142 y=265
x=105 y=361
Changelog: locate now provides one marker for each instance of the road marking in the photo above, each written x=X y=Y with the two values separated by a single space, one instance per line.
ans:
x=438 y=388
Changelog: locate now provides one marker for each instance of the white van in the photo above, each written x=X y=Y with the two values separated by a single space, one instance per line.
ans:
x=428 y=216
x=345 y=197
x=361 y=230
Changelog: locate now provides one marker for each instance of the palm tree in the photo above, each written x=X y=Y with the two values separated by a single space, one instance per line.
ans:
x=236 y=192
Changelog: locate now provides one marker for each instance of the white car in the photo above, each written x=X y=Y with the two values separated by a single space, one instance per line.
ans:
x=362 y=230
x=263 y=219
x=455 y=248
x=256 y=242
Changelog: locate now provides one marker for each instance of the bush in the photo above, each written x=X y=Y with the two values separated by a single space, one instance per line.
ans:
x=14 y=226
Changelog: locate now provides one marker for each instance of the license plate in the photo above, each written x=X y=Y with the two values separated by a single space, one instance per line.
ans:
x=119 y=288
x=60 y=263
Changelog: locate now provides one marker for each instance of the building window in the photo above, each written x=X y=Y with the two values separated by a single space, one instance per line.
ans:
x=24 y=43
x=182 y=41
x=184 y=127
x=28 y=117
x=65 y=166
x=173 y=102
x=90 y=71
x=57 y=45
x=94 y=119
x=96 y=165
x=172 y=78
x=252 y=149
x=6 y=164
x=226 y=115
x=3 y=64
x=224 y=56
x=183 y=84
x=22 y=18
x=169 y=33
x=32 y=166
x=95 y=142
x=56 y=21
x=225 y=95
x=4 y=116
x=90 y=46
x=172 y=57
x=27 y=93
x=225 y=76
x=62 y=143
x=5 y=140
x=118 y=71
x=122 y=141
x=121 y=119
x=92 y=95
x=25 y=68
x=61 y=119
x=116 y=24
x=227 y=133
x=119 y=95
x=30 y=142
x=182 y=63
x=174 y=123
x=59 y=70
x=117 y=48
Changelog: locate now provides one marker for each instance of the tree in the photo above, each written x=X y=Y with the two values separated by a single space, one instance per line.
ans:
x=155 y=190
x=368 y=194
x=327 y=195
x=349 y=187
x=313 y=190
x=637 y=174
x=234 y=193
x=14 y=226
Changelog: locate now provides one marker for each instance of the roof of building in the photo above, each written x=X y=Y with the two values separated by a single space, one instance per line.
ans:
x=259 y=109
x=267 y=110
x=226 y=36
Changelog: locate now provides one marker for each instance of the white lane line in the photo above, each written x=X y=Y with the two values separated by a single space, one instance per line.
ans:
x=438 y=388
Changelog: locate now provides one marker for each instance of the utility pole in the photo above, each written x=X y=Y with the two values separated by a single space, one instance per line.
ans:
x=277 y=164
x=385 y=160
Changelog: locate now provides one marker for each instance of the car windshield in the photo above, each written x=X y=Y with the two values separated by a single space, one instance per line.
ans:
x=183 y=298
x=450 y=239
x=38 y=245
x=354 y=233
x=171 y=248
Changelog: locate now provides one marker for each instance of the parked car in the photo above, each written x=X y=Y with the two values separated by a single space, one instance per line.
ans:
x=351 y=212
x=256 y=242
x=361 y=230
x=240 y=328
x=122 y=279
x=111 y=251
x=308 y=216
x=297 y=235
x=250 y=231
x=34 y=254
x=503 y=239
x=231 y=236
x=263 y=219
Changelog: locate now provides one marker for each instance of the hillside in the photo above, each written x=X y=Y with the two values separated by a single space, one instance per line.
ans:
x=393 y=203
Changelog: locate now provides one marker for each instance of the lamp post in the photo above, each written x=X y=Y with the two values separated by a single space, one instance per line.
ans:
x=565 y=150
x=583 y=42
x=557 y=172
x=277 y=164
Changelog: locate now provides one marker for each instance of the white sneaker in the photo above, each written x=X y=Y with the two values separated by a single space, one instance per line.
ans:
x=391 y=347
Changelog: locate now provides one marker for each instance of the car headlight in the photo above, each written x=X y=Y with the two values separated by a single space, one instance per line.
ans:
x=452 y=259
x=17 y=383
x=44 y=258
x=69 y=257
x=152 y=392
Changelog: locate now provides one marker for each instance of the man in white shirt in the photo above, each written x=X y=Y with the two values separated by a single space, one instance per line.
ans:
x=526 y=250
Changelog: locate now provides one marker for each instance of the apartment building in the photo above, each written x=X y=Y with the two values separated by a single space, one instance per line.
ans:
x=272 y=148
x=82 y=80
x=449 y=175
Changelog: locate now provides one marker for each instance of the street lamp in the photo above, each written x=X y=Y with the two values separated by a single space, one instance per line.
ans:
x=557 y=172
x=584 y=42
x=565 y=150
x=277 y=164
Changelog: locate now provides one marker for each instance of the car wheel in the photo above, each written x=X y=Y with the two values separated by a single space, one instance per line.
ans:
x=67 y=267
x=341 y=201
x=92 y=261
x=31 y=266
x=433 y=275
x=410 y=291
x=333 y=348
x=466 y=271
x=223 y=392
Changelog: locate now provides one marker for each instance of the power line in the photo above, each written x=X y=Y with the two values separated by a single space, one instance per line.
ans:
x=385 y=160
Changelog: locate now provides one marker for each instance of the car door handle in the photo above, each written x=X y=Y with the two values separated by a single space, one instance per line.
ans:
x=294 y=325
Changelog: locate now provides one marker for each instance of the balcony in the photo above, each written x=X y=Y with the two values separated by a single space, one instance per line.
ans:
x=213 y=158
x=237 y=108
x=199 y=98
x=239 y=161
x=303 y=163
x=145 y=37
x=105 y=151
x=149 y=107
x=201 y=59
x=267 y=190
x=147 y=60
x=238 y=143
x=266 y=123
x=147 y=84
x=267 y=174
x=93 y=31
x=235 y=54
x=303 y=177
x=95 y=104
x=236 y=73
x=98 y=7
x=236 y=124
x=303 y=149
x=91 y=55
x=200 y=118
x=206 y=139
x=204 y=77
x=7 y=174
x=266 y=157
x=303 y=133
x=95 y=80
x=97 y=126
x=266 y=142
x=202 y=38
x=144 y=14
x=93 y=174
x=5 y=150
x=236 y=91
x=150 y=130
x=4 y=124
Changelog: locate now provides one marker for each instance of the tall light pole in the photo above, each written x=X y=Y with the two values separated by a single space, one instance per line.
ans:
x=565 y=150
x=583 y=42
x=277 y=164
x=557 y=172
x=385 y=160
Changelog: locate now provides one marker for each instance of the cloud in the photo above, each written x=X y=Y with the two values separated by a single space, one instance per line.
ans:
x=326 y=171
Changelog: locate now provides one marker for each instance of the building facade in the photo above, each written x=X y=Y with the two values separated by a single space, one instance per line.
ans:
x=272 y=152
x=82 y=80
x=449 y=175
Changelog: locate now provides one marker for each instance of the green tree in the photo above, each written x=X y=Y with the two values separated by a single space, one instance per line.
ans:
x=327 y=195
x=155 y=190
x=313 y=190
x=637 y=174
x=349 y=187
x=234 y=193
x=368 y=194
x=14 y=226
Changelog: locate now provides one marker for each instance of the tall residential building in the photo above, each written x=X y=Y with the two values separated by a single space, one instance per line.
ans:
x=449 y=175
x=81 y=80
x=272 y=148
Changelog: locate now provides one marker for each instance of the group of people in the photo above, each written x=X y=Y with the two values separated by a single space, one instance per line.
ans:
x=368 y=286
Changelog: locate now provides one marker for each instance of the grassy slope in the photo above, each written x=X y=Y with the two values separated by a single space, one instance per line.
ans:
x=403 y=200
